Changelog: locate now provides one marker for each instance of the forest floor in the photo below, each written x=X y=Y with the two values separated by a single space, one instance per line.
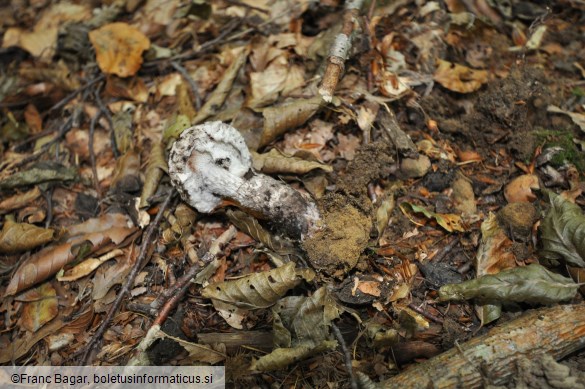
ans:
x=453 y=127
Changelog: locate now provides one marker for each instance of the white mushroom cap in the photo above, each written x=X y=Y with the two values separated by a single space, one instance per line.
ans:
x=208 y=163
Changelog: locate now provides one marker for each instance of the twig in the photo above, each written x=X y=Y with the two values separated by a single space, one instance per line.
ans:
x=72 y=95
x=191 y=82
x=346 y=355
x=140 y=262
x=183 y=283
x=171 y=297
x=339 y=50
x=62 y=131
x=108 y=116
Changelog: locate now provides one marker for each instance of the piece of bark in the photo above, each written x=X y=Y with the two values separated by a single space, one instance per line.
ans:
x=233 y=341
x=404 y=145
x=492 y=359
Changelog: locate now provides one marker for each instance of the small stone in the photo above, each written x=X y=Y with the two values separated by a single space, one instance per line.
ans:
x=415 y=167
x=517 y=219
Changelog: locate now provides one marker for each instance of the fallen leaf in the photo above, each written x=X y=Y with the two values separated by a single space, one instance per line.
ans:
x=119 y=48
x=529 y=284
x=450 y=222
x=41 y=307
x=42 y=40
x=577 y=118
x=459 y=78
x=563 y=232
x=520 y=189
x=16 y=237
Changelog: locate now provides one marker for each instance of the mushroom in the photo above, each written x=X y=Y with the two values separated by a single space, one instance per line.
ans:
x=210 y=163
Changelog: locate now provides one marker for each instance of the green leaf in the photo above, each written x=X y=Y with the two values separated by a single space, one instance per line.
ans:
x=531 y=284
x=563 y=232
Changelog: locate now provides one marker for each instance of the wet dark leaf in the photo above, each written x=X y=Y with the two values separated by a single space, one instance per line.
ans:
x=529 y=284
x=563 y=232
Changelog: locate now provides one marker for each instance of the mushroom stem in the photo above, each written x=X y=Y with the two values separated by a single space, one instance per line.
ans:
x=210 y=163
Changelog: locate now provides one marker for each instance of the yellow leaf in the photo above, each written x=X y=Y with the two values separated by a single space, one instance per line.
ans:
x=459 y=78
x=119 y=48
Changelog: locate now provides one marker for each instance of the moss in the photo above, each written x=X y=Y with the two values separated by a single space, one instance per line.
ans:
x=578 y=91
x=564 y=140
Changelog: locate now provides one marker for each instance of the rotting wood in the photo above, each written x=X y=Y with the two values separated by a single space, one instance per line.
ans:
x=492 y=358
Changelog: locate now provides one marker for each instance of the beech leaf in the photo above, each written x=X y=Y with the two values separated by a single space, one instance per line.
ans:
x=530 y=284
x=16 y=237
x=563 y=232
x=258 y=290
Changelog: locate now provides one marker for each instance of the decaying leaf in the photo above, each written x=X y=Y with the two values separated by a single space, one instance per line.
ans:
x=19 y=200
x=119 y=48
x=175 y=126
x=301 y=329
x=494 y=255
x=520 y=189
x=577 y=118
x=459 y=78
x=155 y=168
x=258 y=290
x=563 y=232
x=50 y=260
x=218 y=96
x=281 y=118
x=39 y=173
x=282 y=357
x=42 y=40
x=448 y=221
x=123 y=131
x=384 y=211
x=87 y=266
x=40 y=308
x=16 y=237
x=529 y=284
x=23 y=344
x=210 y=354
x=250 y=226
x=275 y=161
x=126 y=176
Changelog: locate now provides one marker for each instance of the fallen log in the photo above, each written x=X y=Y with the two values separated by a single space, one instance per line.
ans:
x=492 y=359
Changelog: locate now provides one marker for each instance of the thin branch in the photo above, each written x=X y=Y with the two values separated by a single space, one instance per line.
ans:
x=192 y=84
x=72 y=95
x=171 y=297
x=346 y=355
x=339 y=50
x=140 y=262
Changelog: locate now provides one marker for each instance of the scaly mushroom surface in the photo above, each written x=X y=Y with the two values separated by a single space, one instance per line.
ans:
x=211 y=162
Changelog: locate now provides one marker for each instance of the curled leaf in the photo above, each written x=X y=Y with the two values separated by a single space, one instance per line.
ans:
x=156 y=166
x=250 y=226
x=563 y=232
x=276 y=162
x=530 y=284
x=16 y=237
x=459 y=78
x=258 y=290
x=448 y=221
x=41 y=172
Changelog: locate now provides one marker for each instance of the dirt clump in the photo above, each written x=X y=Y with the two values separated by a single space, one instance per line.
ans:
x=346 y=213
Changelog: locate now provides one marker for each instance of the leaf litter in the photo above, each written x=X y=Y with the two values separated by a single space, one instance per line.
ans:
x=437 y=108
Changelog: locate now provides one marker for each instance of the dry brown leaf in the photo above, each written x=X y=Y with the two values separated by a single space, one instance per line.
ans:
x=19 y=200
x=41 y=307
x=50 y=260
x=156 y=166
x=127 y=88
x=520 y=189
x=459 y=78
x=16 y=237
x=281 y=118
x=119 y=48
x=126 y=176
x=42 y=40
x=218 y=96
x=276 y=162
x=24 y=343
